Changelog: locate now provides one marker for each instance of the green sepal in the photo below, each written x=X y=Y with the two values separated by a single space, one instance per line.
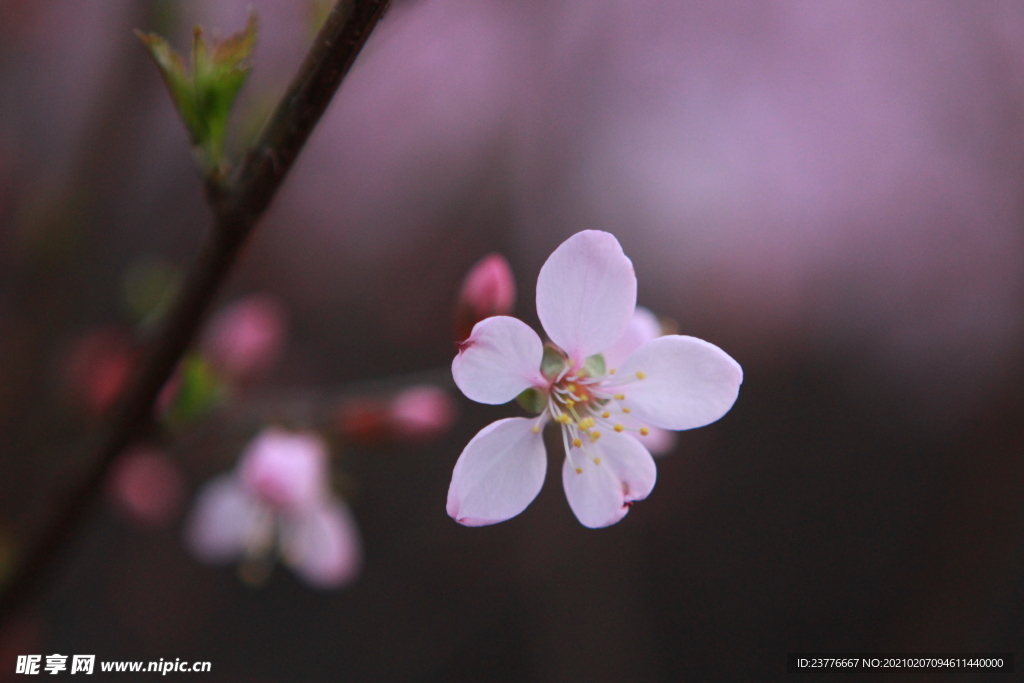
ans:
x=552 y=362
x=204 y=97
x=533 y=401
x=594 y=366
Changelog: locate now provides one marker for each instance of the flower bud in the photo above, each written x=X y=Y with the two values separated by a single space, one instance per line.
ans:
x=146 y=486
x=98 y=367
x=363 y=420
x=419 y=413
x=422 y=412
x=244 y=339
x=489 y=289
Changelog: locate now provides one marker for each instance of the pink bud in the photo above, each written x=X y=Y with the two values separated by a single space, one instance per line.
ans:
x=422 y=412
x=489 y=289
x=363 y=420
x=244 y=339
x=146 y=486
x=169 y=392
x=99 y=365
x=287 y=470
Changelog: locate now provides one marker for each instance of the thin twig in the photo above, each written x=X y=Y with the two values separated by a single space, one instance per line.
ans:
x=237 y=205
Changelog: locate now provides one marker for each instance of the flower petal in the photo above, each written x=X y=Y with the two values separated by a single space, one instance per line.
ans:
x=321 y=544
x=586 y=293
x=602 y=479
x=500 y=360
x=225 y=519
x=643 y=327
x=658 y=441
x=686 y=383
x=499 y=473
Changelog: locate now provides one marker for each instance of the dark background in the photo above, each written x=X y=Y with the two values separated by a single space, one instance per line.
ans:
x=830 y=193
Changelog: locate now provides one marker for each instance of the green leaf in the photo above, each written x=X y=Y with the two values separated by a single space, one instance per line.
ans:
x=533 y=401
x=204 y=97
x=200 y=390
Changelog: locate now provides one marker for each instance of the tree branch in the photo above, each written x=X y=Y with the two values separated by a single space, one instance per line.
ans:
x=237 y=205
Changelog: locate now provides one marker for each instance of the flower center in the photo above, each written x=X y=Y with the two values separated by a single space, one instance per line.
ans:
x=583 y=399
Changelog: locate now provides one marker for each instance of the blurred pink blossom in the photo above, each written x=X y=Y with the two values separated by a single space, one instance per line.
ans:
x=419 y=413
x=586 y=300
x=146 y=485
x=244 y=339
x=489 y=289
x=285 y=470
x=422 y=412
x=278 y=498
x=98 y=366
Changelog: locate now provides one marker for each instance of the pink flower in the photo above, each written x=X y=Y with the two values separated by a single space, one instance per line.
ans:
x=146 y=486
x=244 y=339
x=278 y=497
x=586 y=299
x=489 y=289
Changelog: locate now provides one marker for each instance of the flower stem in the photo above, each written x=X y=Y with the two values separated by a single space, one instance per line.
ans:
x=237 y=204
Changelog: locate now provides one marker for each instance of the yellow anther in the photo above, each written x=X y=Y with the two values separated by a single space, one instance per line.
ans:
x=594 y=436
x=570 y=403
x=536 y=429
x=612 y=371
x=625 y=410
x=640 y=375
x=597 y=461
x=606 y=414
x=586 y=423
x=579 y=470
x=644 y=431
x=577 y=443
x=572 y=388
x=619 y=428
x=563 y=418
x=620 y=397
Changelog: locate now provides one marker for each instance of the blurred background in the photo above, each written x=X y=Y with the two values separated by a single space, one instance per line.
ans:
x=831 y=192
